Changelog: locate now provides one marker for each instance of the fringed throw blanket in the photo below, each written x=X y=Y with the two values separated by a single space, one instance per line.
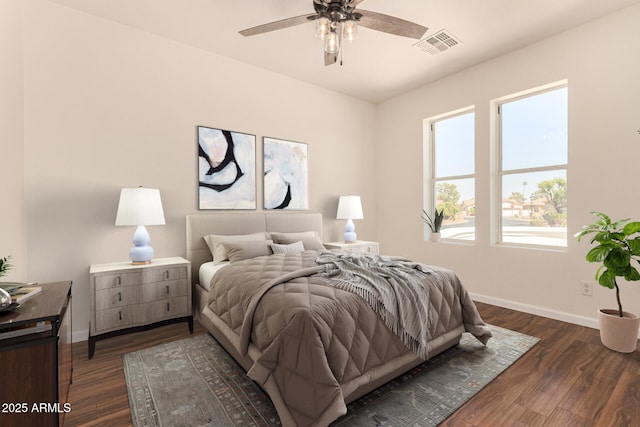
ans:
x=396 y=289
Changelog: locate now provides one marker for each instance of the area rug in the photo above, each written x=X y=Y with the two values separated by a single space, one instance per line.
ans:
x=194 y=382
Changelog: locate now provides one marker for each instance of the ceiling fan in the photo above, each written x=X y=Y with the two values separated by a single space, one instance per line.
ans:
x=338 y=20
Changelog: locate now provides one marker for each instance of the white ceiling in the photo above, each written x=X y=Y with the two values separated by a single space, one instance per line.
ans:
x=375 y=67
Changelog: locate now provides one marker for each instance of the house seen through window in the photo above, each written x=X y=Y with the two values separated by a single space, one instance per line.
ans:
x=532 y=186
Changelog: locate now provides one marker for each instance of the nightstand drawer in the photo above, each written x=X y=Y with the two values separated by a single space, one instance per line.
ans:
x=163 y=309
x=114 y=318
x=116 y=297
x=109 y=281
x=162 y=290
x=371 y=248
x=361 y=246
x=163 y=274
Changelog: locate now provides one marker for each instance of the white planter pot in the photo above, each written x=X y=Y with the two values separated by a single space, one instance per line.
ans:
x=434 y=237
x=618 y=333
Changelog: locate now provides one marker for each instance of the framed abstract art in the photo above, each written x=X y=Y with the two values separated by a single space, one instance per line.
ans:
x=226 y=169
x=285 y=174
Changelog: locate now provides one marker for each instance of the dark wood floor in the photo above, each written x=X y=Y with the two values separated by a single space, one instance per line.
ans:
x=568 y=379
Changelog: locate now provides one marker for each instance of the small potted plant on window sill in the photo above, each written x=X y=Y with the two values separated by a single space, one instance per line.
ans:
x=616 y=246
x=434 y=223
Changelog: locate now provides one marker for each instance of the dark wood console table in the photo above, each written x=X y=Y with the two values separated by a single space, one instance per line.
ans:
x=36 y=360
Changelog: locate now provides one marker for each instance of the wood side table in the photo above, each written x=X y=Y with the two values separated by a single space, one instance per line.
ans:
x=36 y=359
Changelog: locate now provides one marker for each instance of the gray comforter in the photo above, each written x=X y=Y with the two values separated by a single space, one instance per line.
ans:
x=318 y=343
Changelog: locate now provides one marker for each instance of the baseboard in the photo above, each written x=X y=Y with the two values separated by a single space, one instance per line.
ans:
x=78 y=336
x=538 y=311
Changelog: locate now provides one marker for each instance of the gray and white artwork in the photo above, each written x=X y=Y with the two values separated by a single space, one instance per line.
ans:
x=285 y=174
x=226 y=169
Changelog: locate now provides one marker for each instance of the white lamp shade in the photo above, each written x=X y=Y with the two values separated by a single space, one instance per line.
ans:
x=349 y=207
x=140 y=206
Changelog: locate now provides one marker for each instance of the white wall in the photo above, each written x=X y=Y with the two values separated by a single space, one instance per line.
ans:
x=601 y=62
x=108 y=106
x=12 y=224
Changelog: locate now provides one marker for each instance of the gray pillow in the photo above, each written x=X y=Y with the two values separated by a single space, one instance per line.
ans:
x=238 y=251
x=309 y=239
x=216 y=243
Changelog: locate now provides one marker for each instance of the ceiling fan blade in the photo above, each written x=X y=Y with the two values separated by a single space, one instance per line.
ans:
x=278 y=25
x=330 y=58
x=391 y=24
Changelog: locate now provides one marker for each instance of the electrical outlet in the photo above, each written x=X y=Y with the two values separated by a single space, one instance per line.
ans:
x=586 y=288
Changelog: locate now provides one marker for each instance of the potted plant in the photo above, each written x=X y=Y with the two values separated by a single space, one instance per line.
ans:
x=5 y=297
x=4 y=265
x=616 y=246
x=434 y=223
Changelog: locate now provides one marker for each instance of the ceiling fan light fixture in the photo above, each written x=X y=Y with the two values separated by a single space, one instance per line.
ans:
x=349 y=30
x=332 y=42
x=323 y=26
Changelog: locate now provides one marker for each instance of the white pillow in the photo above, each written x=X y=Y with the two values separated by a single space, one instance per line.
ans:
x=283 y=249
x=216 y=243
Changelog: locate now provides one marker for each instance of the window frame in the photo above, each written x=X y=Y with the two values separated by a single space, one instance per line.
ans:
x=429 y=191
x=499 y=173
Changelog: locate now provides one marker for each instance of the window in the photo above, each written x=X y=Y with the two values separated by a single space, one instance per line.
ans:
x=532 y=168
x=451 y=174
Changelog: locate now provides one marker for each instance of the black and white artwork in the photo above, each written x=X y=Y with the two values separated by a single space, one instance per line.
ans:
x=285 y=174
x=226 y=169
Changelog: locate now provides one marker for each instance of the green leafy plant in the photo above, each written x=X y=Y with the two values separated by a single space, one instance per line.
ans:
x=5 y=265
x=434 y=223
x=617 y=245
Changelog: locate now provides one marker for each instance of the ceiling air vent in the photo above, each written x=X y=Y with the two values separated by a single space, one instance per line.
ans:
x=438 y=42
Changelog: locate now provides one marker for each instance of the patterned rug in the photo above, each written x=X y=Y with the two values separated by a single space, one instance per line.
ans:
x=194 y=382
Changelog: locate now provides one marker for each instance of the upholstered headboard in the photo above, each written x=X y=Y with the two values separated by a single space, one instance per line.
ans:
x=200 y=225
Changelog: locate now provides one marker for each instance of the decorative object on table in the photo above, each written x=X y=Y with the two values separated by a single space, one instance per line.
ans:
x=226 y=169
x=617 y=245
x=285 y=174
x=349 y=208
x=440 y=386
x=24 y=292
x=140 y=207
x=434 y=223
x=5 y=300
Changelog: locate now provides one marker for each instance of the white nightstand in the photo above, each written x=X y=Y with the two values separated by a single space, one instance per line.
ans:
x=358 y=246
x=129 y=298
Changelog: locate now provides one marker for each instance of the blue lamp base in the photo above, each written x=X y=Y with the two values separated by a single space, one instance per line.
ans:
x=350 y=232
x=141 y=252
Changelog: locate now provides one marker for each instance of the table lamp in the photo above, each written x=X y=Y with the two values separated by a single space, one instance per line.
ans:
x=349 y=208
x=140 y=206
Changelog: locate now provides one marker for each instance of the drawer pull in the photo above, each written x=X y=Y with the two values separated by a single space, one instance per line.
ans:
x=119 y=315
x=119 y=296
x=168 y=307
x=167 y=289
x=166 y=274
x=118 y=280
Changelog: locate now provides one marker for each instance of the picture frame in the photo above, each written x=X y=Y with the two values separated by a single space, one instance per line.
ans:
x=226 y=169
x=285 y=174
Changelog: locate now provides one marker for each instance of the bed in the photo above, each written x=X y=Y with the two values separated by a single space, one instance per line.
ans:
x=299 y=330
